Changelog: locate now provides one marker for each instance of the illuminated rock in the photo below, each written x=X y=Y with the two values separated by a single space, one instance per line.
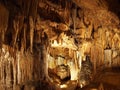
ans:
x=85 y=73
x=37 y=35
x=73 y=71
x=108 y=58
x=63 y=71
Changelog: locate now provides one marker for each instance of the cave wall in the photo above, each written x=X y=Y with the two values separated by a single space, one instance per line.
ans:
x=28 y=28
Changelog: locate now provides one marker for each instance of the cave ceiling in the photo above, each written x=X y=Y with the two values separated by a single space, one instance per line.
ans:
x=52 y=18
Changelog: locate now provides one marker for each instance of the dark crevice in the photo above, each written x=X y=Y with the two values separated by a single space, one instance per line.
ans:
x=53 y=16
x=114 y=6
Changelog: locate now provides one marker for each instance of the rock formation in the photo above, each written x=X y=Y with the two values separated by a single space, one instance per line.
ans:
x=46 y=41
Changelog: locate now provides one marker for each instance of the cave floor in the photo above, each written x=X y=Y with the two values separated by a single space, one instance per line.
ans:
x=107 y=79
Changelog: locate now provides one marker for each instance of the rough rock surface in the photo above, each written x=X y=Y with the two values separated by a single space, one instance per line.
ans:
x=65 y=31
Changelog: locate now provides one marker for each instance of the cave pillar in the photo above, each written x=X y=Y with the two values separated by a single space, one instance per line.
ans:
x=107 y=57
x=97 y=57
x=8 y=73
x=19 y=71
x=14 y=63
x=73 y=71
x=47 y=57
x=45 y=61
x=93 y=58
x=74 y=67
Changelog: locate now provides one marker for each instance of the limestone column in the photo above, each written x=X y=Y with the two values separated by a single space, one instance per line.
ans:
x=107 y=57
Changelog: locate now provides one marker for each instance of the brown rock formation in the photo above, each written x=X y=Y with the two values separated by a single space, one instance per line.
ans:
x=38 y=35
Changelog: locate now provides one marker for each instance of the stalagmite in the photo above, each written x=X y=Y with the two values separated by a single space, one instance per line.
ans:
x=8 y=74
x=101 y=87
x=14 y=62
x=47 y=57
x=45 y=63
x=107 y=39
x=31 y=23
x=18 y=68
x=94 y=57
x=73 y=71
x=107 y=56
x=73 y=68
x=80 y=62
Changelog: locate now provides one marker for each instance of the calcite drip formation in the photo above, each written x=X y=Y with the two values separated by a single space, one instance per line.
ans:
x=57 y=41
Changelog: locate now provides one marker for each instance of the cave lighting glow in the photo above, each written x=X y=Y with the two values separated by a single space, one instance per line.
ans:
x=81 y=85
x=65 y=42
x=63 y=86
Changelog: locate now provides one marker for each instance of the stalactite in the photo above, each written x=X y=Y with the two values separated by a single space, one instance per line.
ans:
x=25 y=6
x=23 y=41
x=74 y=17
x=53 y=5
x=33 y=9
x=16 y=29
x=3 y=34
x=31 y=22
x=25 y=28
x=66 y=13
x=4 y=15
x=0 y=38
